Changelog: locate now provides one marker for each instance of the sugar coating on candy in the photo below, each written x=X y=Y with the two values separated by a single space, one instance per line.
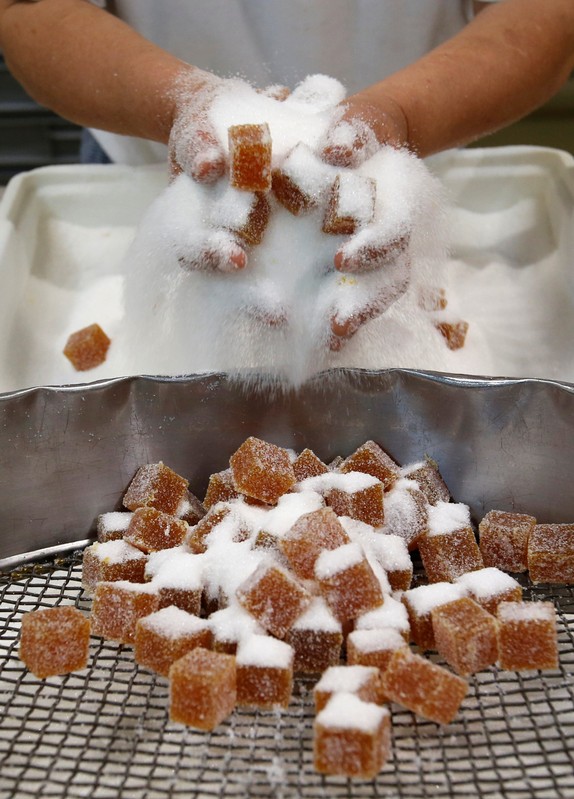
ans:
x=166 y=635
x=112 y=525
x=465 y=635
x=150 y=529
x=307 y=464
x=364 y=681
x=347 y=581
x=202 y=688
x=179 y=581
x=117 y=606
x=262 y=470
x=54 y=641
x=449 y=548
x=316 y=638
x=308 y=537
x=551 y=554
x=503 y=538
x=351 y=204
x=250 y=157
x=429 y=480
x=157 y=486
x=391 y=614
x=373 y=647
x=424 y=687
x=190 y=509
x=230 y=625
x=371 y=459
x=351 y=737
x=87 y=348
x=290 y=509
x=454 y=333
x=302 y=180
x=527 y=636
x=264 y=672
x=243 y=213
x=420 y=602
x=367 y=537
x=391 y=551
x=112 y=560
x=364 y=504
x=406 y=512
x=490 y=586
x=220 y=488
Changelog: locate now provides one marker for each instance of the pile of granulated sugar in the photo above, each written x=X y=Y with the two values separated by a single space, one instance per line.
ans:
x=179 y=321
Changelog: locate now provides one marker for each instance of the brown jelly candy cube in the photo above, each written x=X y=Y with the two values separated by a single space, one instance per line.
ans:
x=230 y=625
x=351 y=738
x=391 y=552
x=301 y=181
x=202 y=688
x=359 y=496
x=449 y=549
x=527 y=636
x=310 y=535
x=426 y=688
x=551 y=554
x=307 y=464
x=157 y=486
x=391 y=614
x=220 y=488
x=262 y=470
x=363 y=681
x=489 y=587
x=347 y=581
x=372 y=459
x=195 y=538
x=87 y=348
x=429 y=480
x=465 y=635
x=264 y=672
x=504 y=538
x=117 y=607
x=351 y=204
x=167 y=635
x=373 y=647
x=250 y=157
x=420 y=602
x=190 y=509
x=406 y=513
x=316 y=638
x=274 y=597
x=151 y=530
x=110 y=561
x=243 y=213
x=178 y=579
x=454 y=333
x=112 y=526
x=54 y=641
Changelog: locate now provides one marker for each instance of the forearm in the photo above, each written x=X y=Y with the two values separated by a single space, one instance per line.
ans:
x=90 y=67
x=510 y=59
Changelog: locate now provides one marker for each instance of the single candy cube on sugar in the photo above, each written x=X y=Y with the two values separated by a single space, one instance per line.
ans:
x=465 y=635
x=157 y=486
x=527 y=636
x=87 y=348
x=372 y=459
x=54 y=641
x=262 y=470
x=117 y=607
x=302 y=180
x=429 y=480
x=351 y=204
x=202 y=688
x=264 y=672
x=551 y=554
x=454 y=333
x=363 y=681
x=151 y=529
x=277 y=521
x=112 y=526
x=308 y=537
x=406 y=512
x=347 y=581
x=391 y=614
x=373 y=647
x=110 y=561
x=250 y=157
x=244 y=213
x=503 y=539
x=190 y=509
x=357 y=495
x=307 y=464
x=220 y=488
x=179 y=581
x=489 y=587
x=420 y=602
x=449 y=548
x=423 y=687
x=274 y=597
x=351 y=738
x=316 y=638
x=167 y=635
x=391 y=551
x=230 y=625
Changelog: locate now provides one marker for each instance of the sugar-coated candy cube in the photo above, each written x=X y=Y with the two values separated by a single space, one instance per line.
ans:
x=250 y=157
x=196 y=538
x=244 y=213
x=363 y=681
x=112 y=560
x=551 y=554
x=112 y=526
x=503 y=538
x=316 y=638
x=117 y=607
x=454 y=333
x=262 y=470
x=167 y=635
x=202 y=688
x=449 y=548
x=373 y=647
x=406 y=512
x=54 y=640
x=391 y=551
x=274 y=597
x=359 y=496
x=301 y=181
x=527 y=636
x=190 y=509
x=264 y=672
x=220 y=488
x=308 y=537
x=150 y=529
x=307 y=464
x=351 y=204
x=279 y=519
x=489 y=587
x=230 y=625
x=157 y=486
x=87 y=348
x=372 y=459
x=351 y=737
x=424 y=687
x=420 y=602
x=178 y=579
x=392 y=613
x=429 y=480
x=465 y=635
x=347 y=581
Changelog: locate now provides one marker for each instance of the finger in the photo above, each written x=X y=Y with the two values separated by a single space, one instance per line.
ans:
x=207 y=162
x=370 y=255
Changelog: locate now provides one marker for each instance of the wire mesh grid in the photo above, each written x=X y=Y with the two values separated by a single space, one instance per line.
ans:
x=105 y=732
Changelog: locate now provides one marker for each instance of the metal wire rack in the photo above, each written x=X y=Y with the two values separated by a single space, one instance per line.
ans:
x=105 y=732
